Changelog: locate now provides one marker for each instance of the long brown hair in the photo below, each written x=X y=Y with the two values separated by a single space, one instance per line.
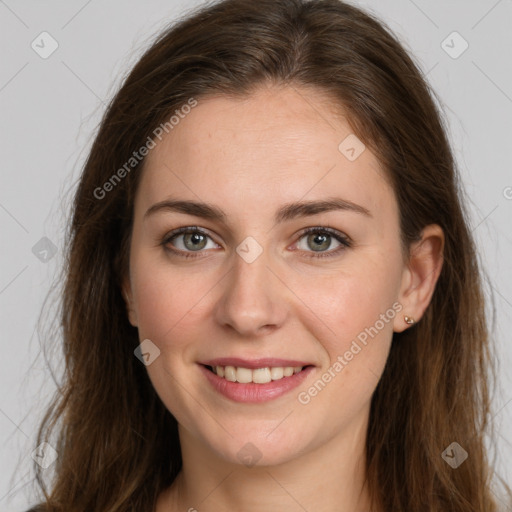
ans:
x=118 y=445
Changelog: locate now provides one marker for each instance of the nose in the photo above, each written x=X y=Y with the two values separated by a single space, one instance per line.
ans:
x=253 y=302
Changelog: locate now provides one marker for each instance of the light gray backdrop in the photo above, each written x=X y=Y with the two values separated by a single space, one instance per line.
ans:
x=51 y=99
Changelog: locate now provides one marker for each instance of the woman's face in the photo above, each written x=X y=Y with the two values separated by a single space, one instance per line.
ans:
x=245 y=281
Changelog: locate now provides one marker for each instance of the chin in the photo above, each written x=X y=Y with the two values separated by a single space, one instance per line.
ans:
x=257 y=448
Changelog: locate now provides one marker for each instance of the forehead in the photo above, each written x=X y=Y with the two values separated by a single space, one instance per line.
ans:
x=279 y=143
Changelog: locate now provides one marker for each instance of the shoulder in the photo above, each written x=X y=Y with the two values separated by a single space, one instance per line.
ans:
x=36 y=508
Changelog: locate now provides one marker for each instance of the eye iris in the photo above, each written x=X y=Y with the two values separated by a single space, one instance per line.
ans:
x=197 y=240
x=322 y=240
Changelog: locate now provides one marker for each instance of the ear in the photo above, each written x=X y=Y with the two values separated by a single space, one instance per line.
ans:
x=128 y=298
x=420 y=275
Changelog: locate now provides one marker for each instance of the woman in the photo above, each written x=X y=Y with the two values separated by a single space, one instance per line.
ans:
x=270 y=272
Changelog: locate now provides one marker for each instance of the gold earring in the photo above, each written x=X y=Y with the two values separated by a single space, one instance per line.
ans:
x=409 y=320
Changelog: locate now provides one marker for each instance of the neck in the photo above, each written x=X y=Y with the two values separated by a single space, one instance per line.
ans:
x=328 y=478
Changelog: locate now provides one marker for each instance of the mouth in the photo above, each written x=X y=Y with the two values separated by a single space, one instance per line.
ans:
x=254 y=381
x=262 y=375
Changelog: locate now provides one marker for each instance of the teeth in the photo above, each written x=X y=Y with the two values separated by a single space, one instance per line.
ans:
x=261 y=375
x=258 y=376
x=276 y=373
x=230 y=373
x=243 y=375
x=288 y=371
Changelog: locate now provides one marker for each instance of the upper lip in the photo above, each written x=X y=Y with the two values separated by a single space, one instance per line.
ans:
x=254 y=363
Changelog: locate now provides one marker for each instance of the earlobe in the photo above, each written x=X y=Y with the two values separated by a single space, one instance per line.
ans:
x=420 y=276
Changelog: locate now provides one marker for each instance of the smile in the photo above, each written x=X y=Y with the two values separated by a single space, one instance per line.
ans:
x=258 y=375
x=254 y=385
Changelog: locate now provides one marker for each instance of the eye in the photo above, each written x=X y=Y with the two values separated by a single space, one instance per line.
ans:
x=321 y=241
x=317 y=241
x=188 y=240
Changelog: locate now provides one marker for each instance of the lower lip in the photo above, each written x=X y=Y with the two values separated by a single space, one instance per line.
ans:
x=255 y=393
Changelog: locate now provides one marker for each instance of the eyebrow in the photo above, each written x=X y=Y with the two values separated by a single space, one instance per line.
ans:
x=287 y=212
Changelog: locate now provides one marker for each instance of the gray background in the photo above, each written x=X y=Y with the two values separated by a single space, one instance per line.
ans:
x=50 y=108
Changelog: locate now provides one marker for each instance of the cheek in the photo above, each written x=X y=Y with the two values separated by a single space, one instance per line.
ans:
x=355 y=357
x=170 y=301
x=354 y=311
x=171 y=310
x=347 y=302
x=175 y=311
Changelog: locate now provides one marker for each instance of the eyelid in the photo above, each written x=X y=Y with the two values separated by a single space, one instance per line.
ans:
x=186 y=229
x=340 y=236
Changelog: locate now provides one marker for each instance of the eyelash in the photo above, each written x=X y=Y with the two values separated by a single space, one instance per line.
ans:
x=342 y=239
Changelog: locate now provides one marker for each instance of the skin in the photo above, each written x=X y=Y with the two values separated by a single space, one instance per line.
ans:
x=250 y=157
